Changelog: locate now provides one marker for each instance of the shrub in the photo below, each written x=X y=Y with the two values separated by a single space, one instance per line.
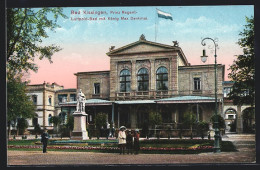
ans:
x=221 y=121
x=100 y=121
x=202 y=128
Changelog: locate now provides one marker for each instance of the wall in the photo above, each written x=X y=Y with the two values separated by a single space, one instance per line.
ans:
x=86 y=82
x=207 y=75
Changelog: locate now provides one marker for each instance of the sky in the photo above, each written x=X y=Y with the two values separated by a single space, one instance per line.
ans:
x=85 y=42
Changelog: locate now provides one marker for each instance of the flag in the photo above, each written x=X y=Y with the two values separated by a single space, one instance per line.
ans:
x=164 y=15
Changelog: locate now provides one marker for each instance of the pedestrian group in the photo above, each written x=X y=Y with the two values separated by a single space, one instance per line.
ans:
x=128 y=140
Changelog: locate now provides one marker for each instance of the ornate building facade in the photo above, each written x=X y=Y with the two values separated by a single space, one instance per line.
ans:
x=47 y=98
x=146 y=76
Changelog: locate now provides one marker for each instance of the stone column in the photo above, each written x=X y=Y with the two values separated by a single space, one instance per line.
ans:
x=133 y=76
x=113 y=78
x=174 y=74
x=239 y=120
x=133 y=117
x=176 y=115
x=153 y=75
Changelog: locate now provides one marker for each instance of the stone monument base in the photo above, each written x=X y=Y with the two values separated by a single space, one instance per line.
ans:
x=79 y=131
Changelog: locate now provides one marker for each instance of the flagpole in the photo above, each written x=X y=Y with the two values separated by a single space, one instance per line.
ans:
x=155 y=24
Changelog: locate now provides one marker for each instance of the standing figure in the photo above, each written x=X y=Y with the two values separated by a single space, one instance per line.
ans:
x=122 y=139
x=44 y=141
x=113 y=130
x=81 y=101
x=136 y=141
x=129 y=142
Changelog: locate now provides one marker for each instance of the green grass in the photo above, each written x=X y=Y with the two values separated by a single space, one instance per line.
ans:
x=226 y=146
x=23 y=142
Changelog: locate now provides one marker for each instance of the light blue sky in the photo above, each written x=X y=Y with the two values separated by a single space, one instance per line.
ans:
x=88 y=41
x=189 y=23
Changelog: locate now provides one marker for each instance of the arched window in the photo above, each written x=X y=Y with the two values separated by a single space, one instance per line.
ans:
x=125 y=80
x=35 y=121
x=143 y=80
x=49 y=119
x=162 y=78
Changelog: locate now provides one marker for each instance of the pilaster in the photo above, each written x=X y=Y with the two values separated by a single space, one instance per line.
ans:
x=153 y=74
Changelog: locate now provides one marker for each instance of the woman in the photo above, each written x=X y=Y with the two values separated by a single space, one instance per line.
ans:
x=122 y=139
x=136 y=141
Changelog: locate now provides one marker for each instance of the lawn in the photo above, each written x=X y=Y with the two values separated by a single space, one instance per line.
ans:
x=174 y=146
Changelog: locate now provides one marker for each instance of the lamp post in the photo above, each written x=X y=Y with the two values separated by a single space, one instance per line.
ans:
x=204 y=59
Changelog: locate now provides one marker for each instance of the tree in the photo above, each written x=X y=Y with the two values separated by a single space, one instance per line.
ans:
x=221 y=121
x=248 y=117
x=70 y=123
x=19 y=105
x=243 y=68
x=22 y=124
x=37 y=129
x=100 y=121
x=56 y=120
x=26 y=28
x=155 y=119
x=189 y=119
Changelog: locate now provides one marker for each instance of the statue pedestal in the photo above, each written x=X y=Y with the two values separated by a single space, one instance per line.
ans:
x=79 y=131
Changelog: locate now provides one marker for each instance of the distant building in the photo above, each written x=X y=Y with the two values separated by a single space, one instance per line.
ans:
x=47 y=97
x=234 y=115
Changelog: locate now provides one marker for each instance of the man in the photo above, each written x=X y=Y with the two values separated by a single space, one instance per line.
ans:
x=44 y=140
x=136 y=141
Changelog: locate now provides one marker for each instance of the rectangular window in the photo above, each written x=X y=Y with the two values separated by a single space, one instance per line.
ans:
x=96 y=88
x=226 y=91
x=35 y=121
x=230 y=117
x=62 y=98
x=197 y=84
x=72 y=97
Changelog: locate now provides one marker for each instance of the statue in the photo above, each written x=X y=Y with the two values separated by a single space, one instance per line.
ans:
x=81 y=102
x=79 y=130
x=111 y=48
x=142 y=38
x=175 y=43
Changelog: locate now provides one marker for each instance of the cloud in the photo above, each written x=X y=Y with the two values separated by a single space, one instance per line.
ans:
x=199 y=25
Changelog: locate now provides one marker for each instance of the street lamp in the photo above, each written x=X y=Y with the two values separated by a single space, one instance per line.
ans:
x=204 y=59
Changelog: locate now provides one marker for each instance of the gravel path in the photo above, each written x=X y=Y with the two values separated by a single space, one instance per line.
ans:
x=246 y=154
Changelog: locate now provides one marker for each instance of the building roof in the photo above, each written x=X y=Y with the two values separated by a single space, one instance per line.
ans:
x=135 y=102
x=98 y=102
x=67 y=90
x=144 y=41
x=228 y=82
x=187 y=99
x=179 y=99
x=88 y=102
x=93 y=72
